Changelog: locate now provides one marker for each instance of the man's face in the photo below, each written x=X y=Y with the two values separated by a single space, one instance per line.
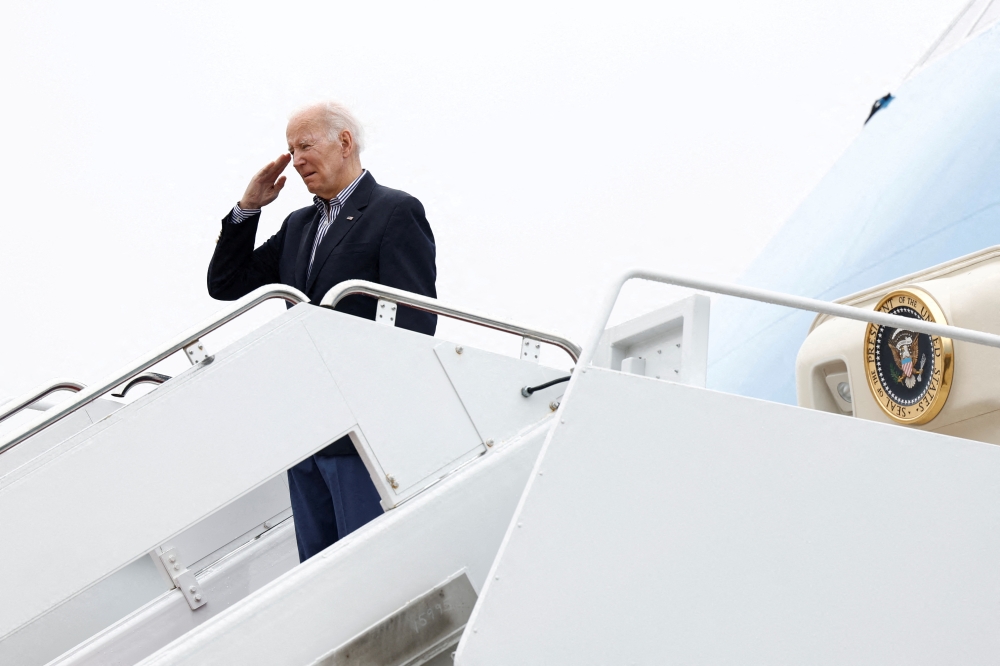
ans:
x=319 y=161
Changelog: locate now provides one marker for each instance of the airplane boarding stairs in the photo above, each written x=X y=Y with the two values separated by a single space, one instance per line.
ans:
x=168 y=510
x=644 y=522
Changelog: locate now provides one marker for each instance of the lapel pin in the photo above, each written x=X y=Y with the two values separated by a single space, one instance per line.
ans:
x=350 y=217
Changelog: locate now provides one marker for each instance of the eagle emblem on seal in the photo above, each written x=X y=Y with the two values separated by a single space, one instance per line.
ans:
x=905 y=347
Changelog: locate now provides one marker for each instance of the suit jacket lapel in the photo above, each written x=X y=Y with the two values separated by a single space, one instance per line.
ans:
x=349 y=216
x=305 y=247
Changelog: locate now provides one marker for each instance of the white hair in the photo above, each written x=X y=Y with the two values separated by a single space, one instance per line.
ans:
x=337 y=118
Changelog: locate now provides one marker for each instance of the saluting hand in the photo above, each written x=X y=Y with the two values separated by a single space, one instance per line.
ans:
x=265 y=185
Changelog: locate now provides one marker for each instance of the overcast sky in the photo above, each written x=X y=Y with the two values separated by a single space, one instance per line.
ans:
x=553 y=145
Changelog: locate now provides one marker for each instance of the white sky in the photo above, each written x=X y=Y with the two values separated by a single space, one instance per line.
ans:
x=552 y=146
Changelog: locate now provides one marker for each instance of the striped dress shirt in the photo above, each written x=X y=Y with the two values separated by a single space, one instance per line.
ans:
x=328 y=211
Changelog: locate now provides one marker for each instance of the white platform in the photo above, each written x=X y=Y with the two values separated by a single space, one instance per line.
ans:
x=670 y=524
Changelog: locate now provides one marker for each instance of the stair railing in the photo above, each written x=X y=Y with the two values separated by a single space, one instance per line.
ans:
x=189 y=341
x=434 y=306
x=18 y=405
x=776 y=298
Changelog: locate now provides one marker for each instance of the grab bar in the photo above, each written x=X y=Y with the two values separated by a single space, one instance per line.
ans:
x=777 y=298
x=186 y=339
x=432 y=305
x=145 y=378
x=29 y=399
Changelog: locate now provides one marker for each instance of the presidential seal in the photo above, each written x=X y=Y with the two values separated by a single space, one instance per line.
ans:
x=909 y=373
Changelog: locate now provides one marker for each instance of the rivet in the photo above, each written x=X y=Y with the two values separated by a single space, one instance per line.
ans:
x=382 y=305
x=177 y=567
x=519 y=524
x=192 y=589
x=173 y=559
x=459 y=350
x=496 y=577
x=553 y=405
x=489 y=442
x=197 y=597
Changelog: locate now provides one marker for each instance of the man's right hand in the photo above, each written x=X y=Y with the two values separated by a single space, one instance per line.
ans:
x=265 y=185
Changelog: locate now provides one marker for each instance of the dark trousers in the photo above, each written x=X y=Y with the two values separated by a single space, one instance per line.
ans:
x=332 y=495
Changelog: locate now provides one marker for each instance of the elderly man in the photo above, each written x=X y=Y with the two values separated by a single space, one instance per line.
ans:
x=355 y=229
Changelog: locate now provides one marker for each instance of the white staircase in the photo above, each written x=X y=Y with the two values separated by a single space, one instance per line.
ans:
x=194 y=471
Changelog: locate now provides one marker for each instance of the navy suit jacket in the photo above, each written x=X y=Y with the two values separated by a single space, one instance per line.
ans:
x=381 y=235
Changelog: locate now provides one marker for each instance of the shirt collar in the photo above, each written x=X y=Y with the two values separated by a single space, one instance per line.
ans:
x=341 y=198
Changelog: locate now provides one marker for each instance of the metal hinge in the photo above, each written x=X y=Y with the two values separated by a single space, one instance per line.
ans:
x=385 y=313
x=530 y=349
x=196 y=353
x=183 y=579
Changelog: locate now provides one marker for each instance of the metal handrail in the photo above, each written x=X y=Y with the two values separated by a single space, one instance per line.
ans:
x=432 y=305
x=28 y=399
x=144 y=378
x=777 y=298
x=86 y=396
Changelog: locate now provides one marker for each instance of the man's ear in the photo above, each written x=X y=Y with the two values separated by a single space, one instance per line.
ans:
x=346 y=142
